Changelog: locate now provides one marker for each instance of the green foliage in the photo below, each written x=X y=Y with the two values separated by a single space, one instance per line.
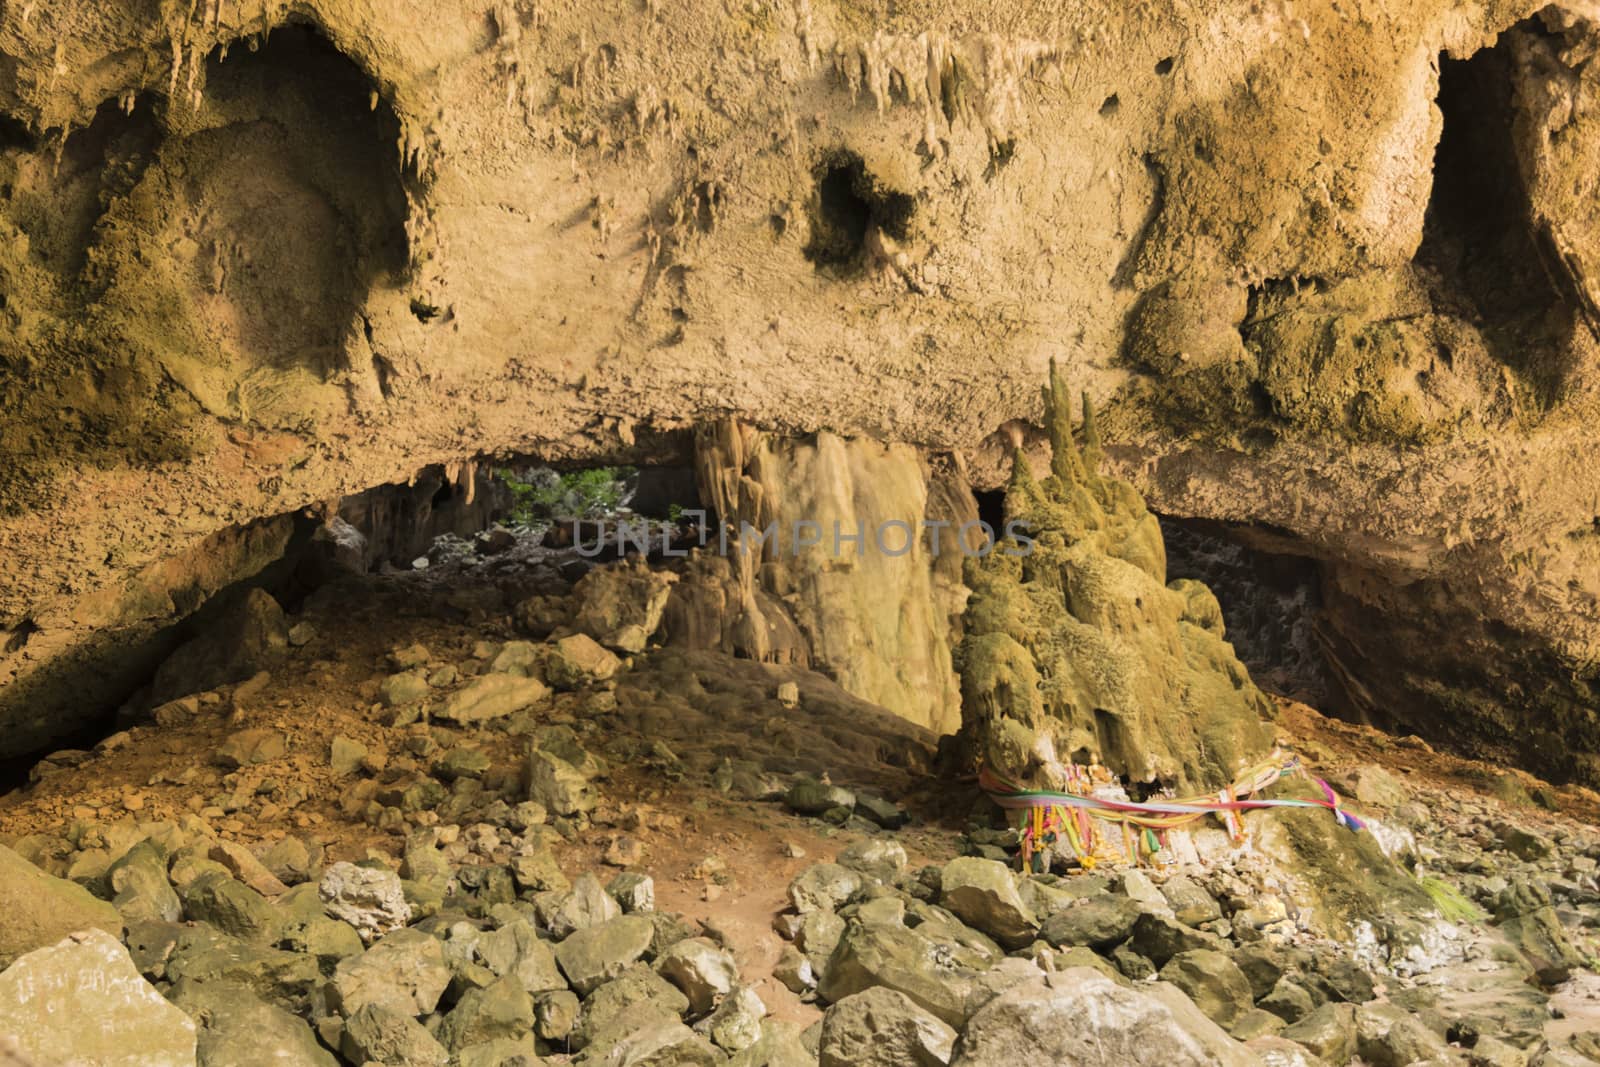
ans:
x=544 y=495
x=1453 y=907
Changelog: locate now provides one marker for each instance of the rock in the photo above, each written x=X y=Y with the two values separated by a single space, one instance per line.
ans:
x=874 y=857
x=538 y=871
x=302 y=634
x=516 y=950
x=372 y=901
x=409 y=656
x=794 y=971
x=1543 y=942
x=1098 y=922
x=638 y=996
x=239 y=1029
x=1279 y=1051
x=1373 y=786
x=585 y=905
x=902 y=960
x=670 y=1044
x=819 y=935
x=882 y=1028
x=249 y=635
x=501 y=1010
x=345 y=756
x=1212 y=980
x=555 y=1014
x=491 y=696
x=577 y=661
x=635 y=893
x=811 y=797
x=599 y=953
x=243 y=864
x=290 y=861
x=1524 y=843
x=376 y=1034
x=1190 y=903
x=624 y=850
x=232 y=907
x=247 y=748
x=1082 y=1018
x=1329 y=1032
x=501 y=1052
x=621 y=606
x=983 y=893
x=139 y=880
x=704 y=972
x=82 y=1001
x=462 y=762
x=1389 y=1036
x=736 y=1024
x=1159 y=938
x=780 y=1045
x=886 y=814
x=204 y=954
x=404 y=972
x=1288 y=1000
x=823 y=886
x=407 y=687
x=558 y=785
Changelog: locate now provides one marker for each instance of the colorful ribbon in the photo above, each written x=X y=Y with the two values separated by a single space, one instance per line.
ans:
x=1053 y=816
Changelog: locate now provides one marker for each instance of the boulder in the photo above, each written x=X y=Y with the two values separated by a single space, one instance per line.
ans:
x=404 y=972
x=1389 y=1036
x=139 y=880
x=376 y=1034
x=1212 y=980
x=1082 y=1018
x=1159 y=938
x=516 y=951
x=882 y=1028
x=407 y=687
x=903 y=960
x=780 y=1045
x=239 y=1029
x=1191 y=904
x=665 y=1043
x=824 y=887
x=373 y=901
x=1099 y=922
x=586 y=904
x=81 y=1000
x=983 y=893
x=635 y=893
x=621 y=606
x=736 y=1024
x=558 y=785
x=811 y=797
x=703 y=971
x=875 y=857
x=503 y=1009
x=232 y=907
x=578 y=661
x=491 y=696
x=599 y=953
x=635 y=997
x=1328 y=1032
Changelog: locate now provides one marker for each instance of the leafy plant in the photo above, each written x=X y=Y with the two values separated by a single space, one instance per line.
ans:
x=542 y=495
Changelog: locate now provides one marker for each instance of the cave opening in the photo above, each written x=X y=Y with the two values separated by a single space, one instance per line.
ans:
x=1270 y=603
x=1478 y=247
x=849 y=204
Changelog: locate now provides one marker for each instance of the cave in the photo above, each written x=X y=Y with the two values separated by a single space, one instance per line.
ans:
x=1478 y=241
x=798 y=535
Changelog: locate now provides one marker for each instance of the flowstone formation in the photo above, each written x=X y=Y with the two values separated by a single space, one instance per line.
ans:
x=1078 y=650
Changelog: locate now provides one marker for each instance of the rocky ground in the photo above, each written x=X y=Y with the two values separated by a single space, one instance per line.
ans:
x=430 y=818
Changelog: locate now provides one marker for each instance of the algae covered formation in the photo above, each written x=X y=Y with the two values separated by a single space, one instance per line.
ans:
x=1078 y=650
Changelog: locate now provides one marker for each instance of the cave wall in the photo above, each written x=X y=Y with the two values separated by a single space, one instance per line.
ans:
x=258 y=257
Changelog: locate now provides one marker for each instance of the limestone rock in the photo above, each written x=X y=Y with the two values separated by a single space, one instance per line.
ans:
x=635 y=893
x=81 y=1000
x=599 y=953
x=736 y=1024
x=372 y=901
x=1389 y=1036
x=983 y=893
x=882 y=1028
x=636 y=996
x=232 y=907
x=621 y=606
x=1084 y=601
x=577 y=661
x=378 y=1034
x=404 y=972
x=558 y=785
x=246 y=748
x=1085 y=1019
x=491 y=696
x=667 y=1043
x=823 y=886
x=1328 y=1032
x=239 y=1029
x=902 y=960
x=517 y=951
x=139 y=880
x=703 y=971
x=875 y=857
x=502 y=1009
x=1099 y=922
x=345 y=756
x=811 y=797
x=1213 y=982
